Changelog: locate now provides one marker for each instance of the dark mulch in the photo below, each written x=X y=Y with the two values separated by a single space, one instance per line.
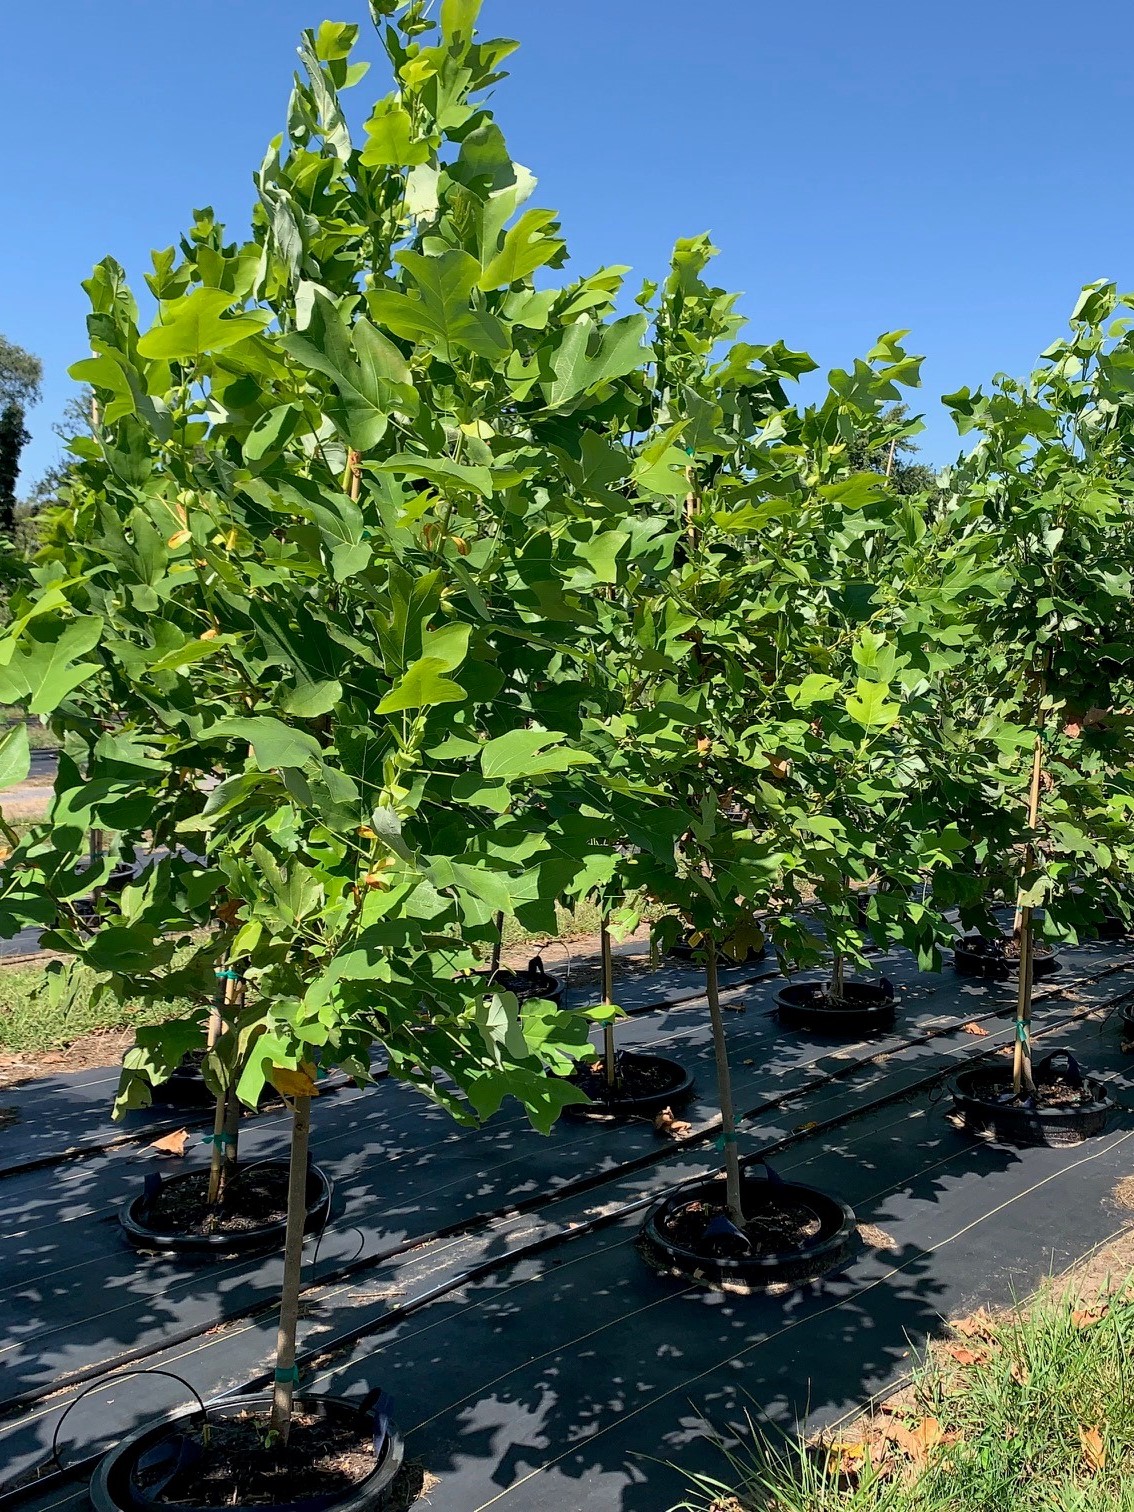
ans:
x=253 y=1199
x=635 y=1078
x=238 y=1468
x=780 y=1224
x=1048 y=1094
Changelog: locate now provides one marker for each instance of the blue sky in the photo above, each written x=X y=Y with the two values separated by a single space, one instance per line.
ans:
x=959 y=169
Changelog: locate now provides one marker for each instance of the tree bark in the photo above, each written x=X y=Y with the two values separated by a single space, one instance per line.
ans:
x=724 y=1084
x=608 y=999
x=218 y=1163
x=283 y=1390
x=1022 y=1054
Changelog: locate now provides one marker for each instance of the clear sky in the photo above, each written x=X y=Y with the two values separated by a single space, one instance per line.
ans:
x=956 y=168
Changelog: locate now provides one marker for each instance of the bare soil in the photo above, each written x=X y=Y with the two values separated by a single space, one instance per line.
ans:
x=106 y=1047
x=780 y=1225
x=323 y=1456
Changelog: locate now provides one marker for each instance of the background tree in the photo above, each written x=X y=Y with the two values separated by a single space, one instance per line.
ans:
x=21 y=374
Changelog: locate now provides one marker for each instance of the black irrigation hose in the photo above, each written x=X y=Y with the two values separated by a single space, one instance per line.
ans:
x=357 y=1265
x=112 y=1381
x=536 y=1247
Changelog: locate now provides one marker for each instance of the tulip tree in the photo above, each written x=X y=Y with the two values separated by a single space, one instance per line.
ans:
x=312 y=636
x=1041 y=506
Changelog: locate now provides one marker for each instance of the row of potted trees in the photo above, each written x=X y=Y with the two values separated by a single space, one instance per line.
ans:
x=402 y=589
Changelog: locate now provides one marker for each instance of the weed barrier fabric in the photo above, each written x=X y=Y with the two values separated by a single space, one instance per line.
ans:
x=837 y=1158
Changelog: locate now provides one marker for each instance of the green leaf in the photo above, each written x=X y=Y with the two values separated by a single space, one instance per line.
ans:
x=816 y=687
x=528 y=753
x=440 y=311
x=194 y=324
x=458 y=18
x=869 y=707
x=423 y=685
x=589 y=355
x=526 y=247
x=274 y=743
x=15 y=756
x=368 y=371
x=389 y=138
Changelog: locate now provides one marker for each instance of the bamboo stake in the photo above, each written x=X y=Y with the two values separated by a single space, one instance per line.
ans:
x=1022 y=1053
x=607 y=999
x=354 y=470
x=283 y=1390
x=724 y=1084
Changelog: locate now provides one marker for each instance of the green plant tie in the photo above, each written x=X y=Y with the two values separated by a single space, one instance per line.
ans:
x=220 y=1141
x=725 y=1139
x=288 y=1376
x=228 y=975
x=1022 y=1031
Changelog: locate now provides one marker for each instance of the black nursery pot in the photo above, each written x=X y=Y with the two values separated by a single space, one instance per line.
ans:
x=866 y=1008
x=645 y=1084
x=984 y=1100
x=667 y=1244
x=981 y=956
x=186 y=1088
x=134 y=1475
x=145 y=1231
x=532 y=982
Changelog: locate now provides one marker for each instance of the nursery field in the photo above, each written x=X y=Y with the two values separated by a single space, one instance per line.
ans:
x=588 y=895
x=491 y=1282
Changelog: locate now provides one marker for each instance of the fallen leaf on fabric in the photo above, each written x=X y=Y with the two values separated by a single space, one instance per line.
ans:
x=803 y=1128
x=870 y=1233
x=671 y=1126
x=172 y=1144
x=974 y=1028
x=1094 y=1450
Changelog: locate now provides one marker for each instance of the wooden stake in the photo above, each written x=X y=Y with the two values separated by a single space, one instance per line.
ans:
x=354 y=469
x=607 y=998
x=1022 y=1053
x=724 y=1084
x=283 y=1390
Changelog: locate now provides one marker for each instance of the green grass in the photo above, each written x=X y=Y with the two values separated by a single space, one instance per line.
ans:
x=30 y=1021
x=39 y=736
x=1011 y=1429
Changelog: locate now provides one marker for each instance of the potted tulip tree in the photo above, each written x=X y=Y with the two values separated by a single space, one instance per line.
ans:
x=686 y=656
x=1043 y=495
x=308 y=646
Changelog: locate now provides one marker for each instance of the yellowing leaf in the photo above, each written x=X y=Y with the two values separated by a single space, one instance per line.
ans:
x=294 y=1083
x=178 y=538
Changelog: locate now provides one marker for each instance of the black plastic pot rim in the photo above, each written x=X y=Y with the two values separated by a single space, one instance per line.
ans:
x=109 y=1487
x=966 y=1090
x=766 y=1265
x=247 y=1241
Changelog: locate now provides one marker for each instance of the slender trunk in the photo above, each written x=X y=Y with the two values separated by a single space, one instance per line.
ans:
x=724 y=1083
x=608 y=999
x=1022 y=1056
x=285 y=1377
x=838 y=974
x=217 y=1163
x=498 y=943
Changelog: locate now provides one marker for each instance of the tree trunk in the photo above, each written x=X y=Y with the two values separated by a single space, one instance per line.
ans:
x=608 y=999
x=218 y=1163
x=1022 y=1056
x=285 y=1377
x=497 y=944
x=838 y=976
x=724 y=1083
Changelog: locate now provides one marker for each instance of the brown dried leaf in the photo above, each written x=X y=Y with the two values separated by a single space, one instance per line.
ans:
x=964 y=1356
x=974 y=1028
x=977 y=1326
x=1088 y=1316
x=1093 y=1447
x=172 y=1144
x=668 y=1124
x=804 y=1127
x=919 y=1441
x=1020 y=1373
